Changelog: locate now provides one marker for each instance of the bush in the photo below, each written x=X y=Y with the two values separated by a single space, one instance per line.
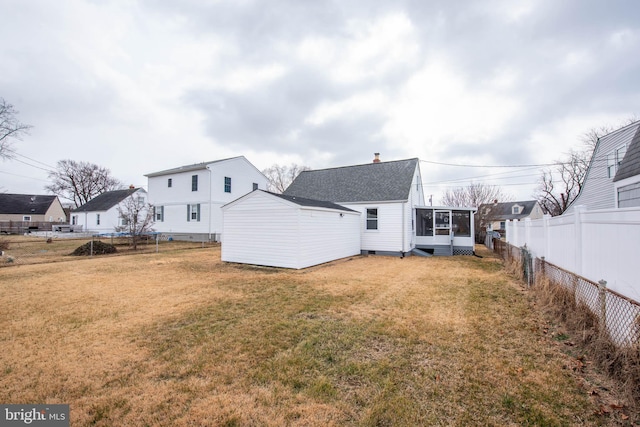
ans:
x=99 y=248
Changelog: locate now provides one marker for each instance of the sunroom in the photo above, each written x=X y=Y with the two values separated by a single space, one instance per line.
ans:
x=444 y=230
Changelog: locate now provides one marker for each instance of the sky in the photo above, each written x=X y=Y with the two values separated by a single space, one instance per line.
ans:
x=471 y=88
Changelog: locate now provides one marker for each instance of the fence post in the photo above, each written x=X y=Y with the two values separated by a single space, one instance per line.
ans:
x=578 y=210
x=157 y=240
x=91 y=250
x=545 y=233
x=602 y=297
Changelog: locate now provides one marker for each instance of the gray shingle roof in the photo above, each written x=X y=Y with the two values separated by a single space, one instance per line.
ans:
x=310 y=202
x=503 y=211
x=188 y=168
x=25 y=204
x=106 y=201
x=630 y=165
x=384 y=181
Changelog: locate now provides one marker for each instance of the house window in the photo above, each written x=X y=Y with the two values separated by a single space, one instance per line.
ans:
x=170 y=182
x=515 y=210
x=425 y=222
x=74 y=220
x=26 y=218
x=629 y=196
x=159 y=213
x=193 y=212
x=227 y=184
x=255 y=186
x=461 y=223
x=614 y=159
x=503 y=225
x=124 y=221
x=97 y=219
x=194 y=183
x=372 y=218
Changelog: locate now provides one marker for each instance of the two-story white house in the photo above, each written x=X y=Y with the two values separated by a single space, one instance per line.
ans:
x=187 y=199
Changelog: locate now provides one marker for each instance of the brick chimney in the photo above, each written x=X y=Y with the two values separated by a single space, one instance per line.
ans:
x=377 y=158
x=132 y=187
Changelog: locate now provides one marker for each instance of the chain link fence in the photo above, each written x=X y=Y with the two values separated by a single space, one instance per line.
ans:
x=44 y=247
x=618 y=316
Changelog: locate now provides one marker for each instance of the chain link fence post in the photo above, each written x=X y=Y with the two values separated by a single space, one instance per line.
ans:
x=602 y=298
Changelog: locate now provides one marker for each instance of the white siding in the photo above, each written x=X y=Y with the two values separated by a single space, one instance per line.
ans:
x=262 y=229
x=388 y=236
x=210 y=194
x=598 y=191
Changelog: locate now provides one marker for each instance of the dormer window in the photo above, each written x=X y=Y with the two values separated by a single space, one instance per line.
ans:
x=516 y=210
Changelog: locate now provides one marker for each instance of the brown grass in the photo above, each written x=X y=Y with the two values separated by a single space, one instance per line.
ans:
x=182 y=339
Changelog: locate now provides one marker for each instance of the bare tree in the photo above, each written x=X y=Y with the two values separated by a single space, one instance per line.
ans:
x=281 y=176
x=137 y=218
x=10 y=129
x=80 y=182
x=473 y=195
x=560 y=185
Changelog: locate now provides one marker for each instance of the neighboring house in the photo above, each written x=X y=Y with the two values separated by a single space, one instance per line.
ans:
x=22 y=212
x=187 y=199
x=270 y=229
x=494 y=216
x=613 y=176
x=627 y=178
x=102 y=214
x=385 y=193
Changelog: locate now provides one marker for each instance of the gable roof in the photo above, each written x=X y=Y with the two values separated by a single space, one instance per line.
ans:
x=384 y=181
x=190 y=168
x=630 y=165
x=504 y=211
x=106 y=201
x=27 y=204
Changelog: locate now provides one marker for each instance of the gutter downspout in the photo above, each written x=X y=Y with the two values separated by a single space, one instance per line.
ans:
x=404 y=230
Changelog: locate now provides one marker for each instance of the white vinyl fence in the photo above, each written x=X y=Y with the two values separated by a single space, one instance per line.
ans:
x=597 y=245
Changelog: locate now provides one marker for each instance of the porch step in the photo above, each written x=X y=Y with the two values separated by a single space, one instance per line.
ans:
x=420 y=252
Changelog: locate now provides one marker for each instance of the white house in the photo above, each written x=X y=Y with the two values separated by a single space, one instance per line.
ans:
x=613 y=176
x=270 y=229
x=101 y=214
x=385 y=193
x=187 y=199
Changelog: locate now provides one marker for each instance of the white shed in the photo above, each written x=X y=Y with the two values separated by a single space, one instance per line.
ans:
x=264 y=228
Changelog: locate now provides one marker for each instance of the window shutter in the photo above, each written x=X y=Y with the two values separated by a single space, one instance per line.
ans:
x=188 y=213
x=198 y=211
x=161 y=213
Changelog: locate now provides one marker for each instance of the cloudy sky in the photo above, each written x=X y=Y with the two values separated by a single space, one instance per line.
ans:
x=142 y=86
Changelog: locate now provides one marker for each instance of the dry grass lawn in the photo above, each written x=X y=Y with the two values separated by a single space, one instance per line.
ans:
x=182 y=339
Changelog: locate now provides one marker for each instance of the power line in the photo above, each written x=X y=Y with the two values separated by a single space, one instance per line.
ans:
x=491 y=166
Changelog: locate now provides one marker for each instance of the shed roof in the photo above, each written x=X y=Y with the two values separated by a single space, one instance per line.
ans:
x=27 y=204
x=311 y=203
x=630 y=165
x=384 y=181
x=106 y=201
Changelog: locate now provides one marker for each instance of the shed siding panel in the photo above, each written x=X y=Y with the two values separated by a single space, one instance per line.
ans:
x=326 y=236
x=261 y=237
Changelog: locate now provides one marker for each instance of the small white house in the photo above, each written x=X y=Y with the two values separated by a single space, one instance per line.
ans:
x=264 y=228
x=385 y=193
x=187 y=199
x=101 y=214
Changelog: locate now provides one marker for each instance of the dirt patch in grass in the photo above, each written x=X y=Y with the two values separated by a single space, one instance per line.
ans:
x=182 y=339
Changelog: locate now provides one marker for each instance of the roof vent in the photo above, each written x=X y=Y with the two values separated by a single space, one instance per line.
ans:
x=377 y=158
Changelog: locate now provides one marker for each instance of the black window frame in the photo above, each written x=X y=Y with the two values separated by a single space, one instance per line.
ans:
x=227 y=184
x=194 y=182
x=371 y=219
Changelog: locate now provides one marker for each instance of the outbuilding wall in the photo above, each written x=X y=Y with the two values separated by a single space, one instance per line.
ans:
x=261 y=229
